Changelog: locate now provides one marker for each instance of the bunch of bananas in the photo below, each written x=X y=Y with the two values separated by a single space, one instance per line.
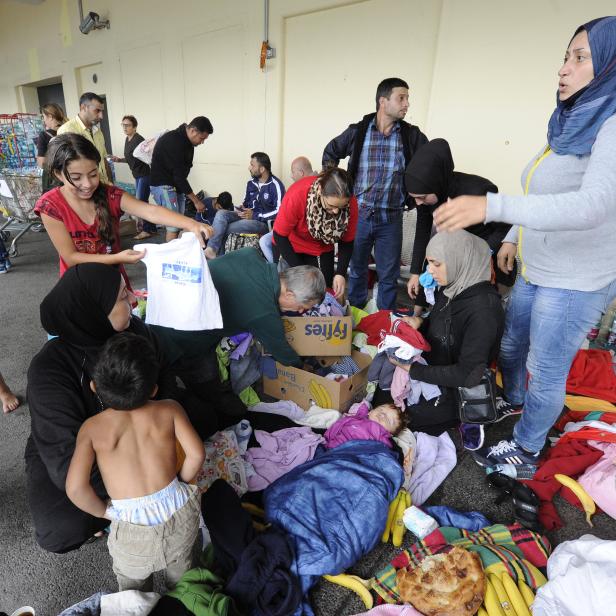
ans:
x=320 y=395
x=356 y=584
x=506 y=598
x=395 y=526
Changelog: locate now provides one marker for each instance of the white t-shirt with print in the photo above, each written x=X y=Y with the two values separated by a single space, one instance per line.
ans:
x=181 y=293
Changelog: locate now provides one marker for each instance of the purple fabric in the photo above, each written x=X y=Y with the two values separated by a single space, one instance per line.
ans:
x=243 y=342
x=237 y=338
x=356 y=428
x=280 y=452
x=435 y=458
x=392 y=610
x=329 y=307
x=359 y=407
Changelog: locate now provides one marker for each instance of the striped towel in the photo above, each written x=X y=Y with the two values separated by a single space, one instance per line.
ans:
x=497 y=545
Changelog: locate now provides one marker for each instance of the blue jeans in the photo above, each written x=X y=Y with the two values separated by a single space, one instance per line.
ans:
x=142 y=192
x=226 y=222
x=386 y=237
x=168 y=197
x=544 y=329
x=265 y=242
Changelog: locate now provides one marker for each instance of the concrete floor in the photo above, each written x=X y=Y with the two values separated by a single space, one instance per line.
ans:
x=52 y=582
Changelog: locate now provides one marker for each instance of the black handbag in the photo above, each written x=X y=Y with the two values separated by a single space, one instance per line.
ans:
x=477 y=404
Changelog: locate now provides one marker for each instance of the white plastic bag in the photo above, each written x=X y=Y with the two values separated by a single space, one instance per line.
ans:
x=181 y=293
x=144 y=150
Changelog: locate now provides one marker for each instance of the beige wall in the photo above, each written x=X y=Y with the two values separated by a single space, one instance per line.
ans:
x=495 y=79
x=482 y=72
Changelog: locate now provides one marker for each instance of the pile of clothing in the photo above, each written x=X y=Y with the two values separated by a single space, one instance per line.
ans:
x=586 y=451
x=329 y=307
x=239 y=359
x=396 y=340
x=344 y=367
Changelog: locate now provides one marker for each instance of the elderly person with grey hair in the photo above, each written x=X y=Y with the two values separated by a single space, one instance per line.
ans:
x=252 y=295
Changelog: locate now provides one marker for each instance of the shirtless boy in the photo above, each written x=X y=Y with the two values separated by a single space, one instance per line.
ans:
x=154 y=516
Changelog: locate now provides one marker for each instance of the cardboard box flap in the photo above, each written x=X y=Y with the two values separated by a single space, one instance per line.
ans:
x=314 y=336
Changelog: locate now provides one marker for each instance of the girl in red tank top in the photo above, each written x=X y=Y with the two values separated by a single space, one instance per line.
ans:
x=82 y=217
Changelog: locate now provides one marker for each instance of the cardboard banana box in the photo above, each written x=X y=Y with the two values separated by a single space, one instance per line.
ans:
x=319 y=336
x=305 y=388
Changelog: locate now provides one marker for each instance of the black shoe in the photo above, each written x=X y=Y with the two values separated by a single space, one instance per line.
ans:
x=504 y=409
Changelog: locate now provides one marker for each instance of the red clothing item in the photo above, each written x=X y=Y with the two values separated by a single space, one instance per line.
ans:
x=592 y=375
x=569 y=458
x=291 y=220
x=588 y=433
x=376 y=326
x=576 y=416
x=379 y=324
x=84 y=236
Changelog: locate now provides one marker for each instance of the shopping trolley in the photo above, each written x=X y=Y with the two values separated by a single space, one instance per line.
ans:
x=19 y=192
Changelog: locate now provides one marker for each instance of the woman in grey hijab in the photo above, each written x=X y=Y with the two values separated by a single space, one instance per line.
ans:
x=458 y=261
x=464 y=331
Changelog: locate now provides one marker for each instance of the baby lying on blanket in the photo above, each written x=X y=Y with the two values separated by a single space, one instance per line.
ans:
x=363 y=424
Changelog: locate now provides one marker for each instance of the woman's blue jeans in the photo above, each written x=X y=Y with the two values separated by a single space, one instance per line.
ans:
x=544 y=329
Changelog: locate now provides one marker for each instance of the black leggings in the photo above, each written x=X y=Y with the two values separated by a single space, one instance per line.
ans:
x=325 y=263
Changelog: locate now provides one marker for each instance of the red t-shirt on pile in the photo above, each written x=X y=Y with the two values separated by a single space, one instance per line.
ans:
x=84 y=236
x=291 y=220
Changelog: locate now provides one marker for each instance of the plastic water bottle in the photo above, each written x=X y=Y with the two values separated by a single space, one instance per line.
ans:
x=515 y=471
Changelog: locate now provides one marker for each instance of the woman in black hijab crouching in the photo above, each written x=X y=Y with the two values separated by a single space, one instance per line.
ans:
x=88 y=305
x=430 y=180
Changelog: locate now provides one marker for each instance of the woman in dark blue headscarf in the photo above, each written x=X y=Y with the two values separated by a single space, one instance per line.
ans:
x=579 y=116
x=563 y=233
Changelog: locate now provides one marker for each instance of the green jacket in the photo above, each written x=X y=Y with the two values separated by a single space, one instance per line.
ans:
x=201 y=592
x=248 y=288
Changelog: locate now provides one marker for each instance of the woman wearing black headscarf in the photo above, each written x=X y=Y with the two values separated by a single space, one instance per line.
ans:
x=88 y=305
x=431 y=180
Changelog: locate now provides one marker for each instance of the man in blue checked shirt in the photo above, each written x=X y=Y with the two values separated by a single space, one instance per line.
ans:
x=264 y=192
x=379 y=147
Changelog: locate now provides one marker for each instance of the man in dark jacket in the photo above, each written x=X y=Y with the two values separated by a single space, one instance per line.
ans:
x=172 y=160
x=252 y=294
x=379 y=147
x=264 y=192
